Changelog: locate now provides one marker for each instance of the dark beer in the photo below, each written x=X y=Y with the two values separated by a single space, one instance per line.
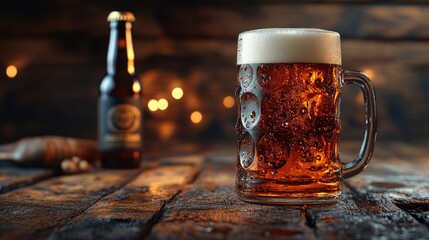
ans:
x=120 y=100
x=288 y=115
x=288 y=129
x=288 y=126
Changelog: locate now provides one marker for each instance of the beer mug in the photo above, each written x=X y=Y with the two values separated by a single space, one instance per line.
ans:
x=288 y=126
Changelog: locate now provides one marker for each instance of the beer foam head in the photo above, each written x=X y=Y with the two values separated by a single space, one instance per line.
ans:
x=289 y=45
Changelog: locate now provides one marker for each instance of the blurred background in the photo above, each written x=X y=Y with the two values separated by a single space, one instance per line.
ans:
x=53 y=56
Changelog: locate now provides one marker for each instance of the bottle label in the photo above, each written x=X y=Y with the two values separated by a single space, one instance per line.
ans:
x=120 y=124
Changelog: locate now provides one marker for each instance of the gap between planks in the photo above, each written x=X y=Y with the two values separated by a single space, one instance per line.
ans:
x=358 y=196
x=158 y=216
x=101 y=197
x=132 y=210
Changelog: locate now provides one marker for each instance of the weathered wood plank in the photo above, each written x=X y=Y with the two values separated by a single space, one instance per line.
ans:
x=210 y=209
x=396 y=185
x=388 y=200
x=367 y=210
x=403 y=183
x=418 y=208
x=130 y=212
x=369 y=216
x=32 y=212
x=353 y=21
x=12 y=177
x=213 y=20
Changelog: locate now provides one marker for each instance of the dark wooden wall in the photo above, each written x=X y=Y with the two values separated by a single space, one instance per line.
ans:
x=59 y=48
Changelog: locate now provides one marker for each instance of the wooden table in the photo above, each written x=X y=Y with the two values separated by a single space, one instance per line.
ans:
x=187 y=196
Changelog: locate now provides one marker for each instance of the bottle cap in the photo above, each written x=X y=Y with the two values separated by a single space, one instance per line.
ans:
x=116 y=16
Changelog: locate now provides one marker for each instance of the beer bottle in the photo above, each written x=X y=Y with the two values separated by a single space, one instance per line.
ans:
x=120 y=99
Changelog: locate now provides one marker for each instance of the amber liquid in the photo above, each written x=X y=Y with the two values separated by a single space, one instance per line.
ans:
x=288 y=129
x=121 y=159
x=120 y=109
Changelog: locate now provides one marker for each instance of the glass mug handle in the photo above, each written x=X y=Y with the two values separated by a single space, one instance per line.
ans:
x=360 y=163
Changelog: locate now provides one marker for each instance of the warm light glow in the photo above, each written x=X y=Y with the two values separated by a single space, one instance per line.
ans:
x=177 y=93
x=136 y=87
x=162 y=104
x=131 y=68
x=152 y=105
x=166 y=129
x=136 y=154
x=130 y=49
x=228 y=102
x=359 y=99
x=369 y=72
x=196 y=117
x=11 y=71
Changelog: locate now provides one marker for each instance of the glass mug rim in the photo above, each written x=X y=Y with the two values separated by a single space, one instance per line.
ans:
x=309 y=47
x=289 y=45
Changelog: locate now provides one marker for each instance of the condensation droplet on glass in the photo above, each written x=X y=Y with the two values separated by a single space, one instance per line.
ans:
x=246 y=75
x=250 y=110
x=247 y=150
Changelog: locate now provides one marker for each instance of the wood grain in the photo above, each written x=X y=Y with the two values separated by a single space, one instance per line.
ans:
x=130 y=212
x=210 y=209
x=213 y=19
x=32 y=212
x=374 y=205
x=194 y=197
x=12 y=177
x=369 y=217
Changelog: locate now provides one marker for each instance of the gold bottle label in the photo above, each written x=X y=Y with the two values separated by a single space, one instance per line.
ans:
x=120 y=124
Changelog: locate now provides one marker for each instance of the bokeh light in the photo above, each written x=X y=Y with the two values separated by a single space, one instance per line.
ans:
x=11 y=71
x=131 y=69
x=196 y=117
x=228 y=102
x=153 y=105
x=166 y=129
x=177 y=93
x=136 y=87
x=162 y=104
x=369 y=72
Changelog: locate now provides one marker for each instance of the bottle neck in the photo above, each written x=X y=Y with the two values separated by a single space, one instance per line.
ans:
x=120 y=55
